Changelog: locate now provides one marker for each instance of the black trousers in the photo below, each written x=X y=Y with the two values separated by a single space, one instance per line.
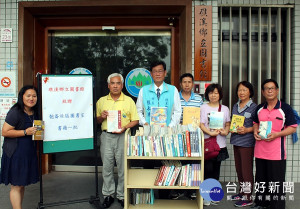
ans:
x=269 y=172
x=212 y=169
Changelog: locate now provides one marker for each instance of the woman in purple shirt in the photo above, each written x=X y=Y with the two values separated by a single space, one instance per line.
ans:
x=214 y=94
x=243 y=143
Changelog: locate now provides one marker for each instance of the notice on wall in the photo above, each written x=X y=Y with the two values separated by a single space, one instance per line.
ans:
x=5 y=105
x=8 y=84
x=6 y=35
x=67 y=104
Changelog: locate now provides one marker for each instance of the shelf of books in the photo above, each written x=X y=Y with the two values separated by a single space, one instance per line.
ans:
x=178 y=152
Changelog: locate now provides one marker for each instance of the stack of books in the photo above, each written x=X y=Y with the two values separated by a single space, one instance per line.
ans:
x=173 y=173
x=141 y=196
x=184 y=143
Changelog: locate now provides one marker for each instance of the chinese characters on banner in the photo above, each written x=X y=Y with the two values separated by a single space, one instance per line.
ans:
x=67 y=107
x=203 y=43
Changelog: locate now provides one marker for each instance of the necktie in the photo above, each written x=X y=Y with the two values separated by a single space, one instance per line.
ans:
x=158 y=93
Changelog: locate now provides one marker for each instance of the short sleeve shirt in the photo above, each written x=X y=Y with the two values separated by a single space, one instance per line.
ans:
x=14 y=118
x=248 y=111
x=282 y=116
x=124 y=103
x=194 y=101
x=205 y=110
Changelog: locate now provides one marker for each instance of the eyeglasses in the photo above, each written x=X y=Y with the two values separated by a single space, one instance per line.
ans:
x=158 y=72
x=243 y=90
x=270 y=89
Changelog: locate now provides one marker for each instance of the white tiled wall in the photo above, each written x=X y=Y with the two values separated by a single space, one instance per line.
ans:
x=293 y=165
x=8 y=52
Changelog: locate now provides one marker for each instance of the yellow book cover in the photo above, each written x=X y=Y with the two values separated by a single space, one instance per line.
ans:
x=191 y=115
x=39 y=134
x=236 y=122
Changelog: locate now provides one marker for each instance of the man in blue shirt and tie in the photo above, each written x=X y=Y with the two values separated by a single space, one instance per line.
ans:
x=159 y=94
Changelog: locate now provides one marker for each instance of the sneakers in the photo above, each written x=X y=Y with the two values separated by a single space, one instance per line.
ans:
x=176 y=195
x=193 y=196
x=121 y=202
x=206 y=202
x=243 y=203
x=214 y=202
x=236 y=197
x=258 y=207
x=108 y=201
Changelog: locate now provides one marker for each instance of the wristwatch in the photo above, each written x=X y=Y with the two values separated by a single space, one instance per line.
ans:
x=25 y=132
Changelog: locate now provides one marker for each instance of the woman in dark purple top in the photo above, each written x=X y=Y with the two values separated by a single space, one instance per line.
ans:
x=243 y=143
x=19 y=164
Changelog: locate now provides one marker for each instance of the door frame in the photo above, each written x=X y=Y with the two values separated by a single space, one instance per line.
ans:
x=35 y=19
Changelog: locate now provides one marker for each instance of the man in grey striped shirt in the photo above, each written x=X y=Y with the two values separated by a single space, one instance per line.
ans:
x=187 y=97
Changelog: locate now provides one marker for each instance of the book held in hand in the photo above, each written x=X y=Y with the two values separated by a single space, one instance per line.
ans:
x=216 y=120
x=40 y=127
x=191 y=115
x=265 y=128
x=114 y=121
x=158 y=116
x=236 y=122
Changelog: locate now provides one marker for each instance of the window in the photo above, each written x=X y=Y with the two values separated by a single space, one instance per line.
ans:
x=254 y=44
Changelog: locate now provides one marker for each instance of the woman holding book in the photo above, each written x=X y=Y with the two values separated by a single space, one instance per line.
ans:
x=243 y=143
x=19 y=164
x=214 y=94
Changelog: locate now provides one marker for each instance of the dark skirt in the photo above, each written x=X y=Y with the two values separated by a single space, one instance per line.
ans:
x=22 y=168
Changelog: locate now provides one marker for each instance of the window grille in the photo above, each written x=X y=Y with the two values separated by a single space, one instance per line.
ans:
x=254 y=44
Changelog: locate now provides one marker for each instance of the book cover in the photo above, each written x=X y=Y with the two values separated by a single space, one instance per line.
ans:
x=170 y=173
x=160 y=172
x=265 y=127
x=191 y=115
x=188 y=143
x=236 y=122
x=114 y=121
x=40 y=128
x=180 y=143
x=216 y=120
x=199 y=134
x=158 y=116
x=176 y=145
x=193 y=143
x=175 y=176
x=164 y=178
x=184 y=145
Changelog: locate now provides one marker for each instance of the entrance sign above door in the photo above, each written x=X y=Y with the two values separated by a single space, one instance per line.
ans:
x=136 y=79
x=203 y=43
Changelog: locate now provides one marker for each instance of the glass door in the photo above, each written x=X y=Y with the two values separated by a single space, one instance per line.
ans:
x=103 y=53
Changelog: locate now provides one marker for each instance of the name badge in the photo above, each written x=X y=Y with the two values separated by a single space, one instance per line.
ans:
x=247 y=115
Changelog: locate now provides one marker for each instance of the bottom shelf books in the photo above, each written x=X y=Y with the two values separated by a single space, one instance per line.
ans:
x=173 y=173
x=141 y=196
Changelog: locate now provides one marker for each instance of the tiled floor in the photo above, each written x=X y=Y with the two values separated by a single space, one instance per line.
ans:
x=67 y=186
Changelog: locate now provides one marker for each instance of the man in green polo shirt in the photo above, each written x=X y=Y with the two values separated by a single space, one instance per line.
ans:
x=112 y=143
